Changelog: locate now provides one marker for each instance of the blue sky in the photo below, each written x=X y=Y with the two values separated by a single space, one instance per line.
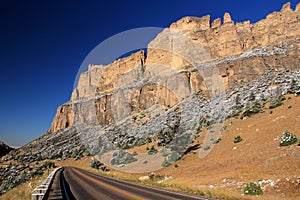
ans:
x=43 y=43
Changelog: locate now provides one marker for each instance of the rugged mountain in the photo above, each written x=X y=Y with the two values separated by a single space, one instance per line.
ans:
x=196 y=74
x=239 y=52
x=152 y=97
x=4 y=149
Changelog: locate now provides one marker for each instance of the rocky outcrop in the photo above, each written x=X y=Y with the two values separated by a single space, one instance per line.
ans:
x=196 y=74
x=99 y=79
x=63 y=118
x=4 y=149
x=68 y=143
x=229 y=38
x=238 y=52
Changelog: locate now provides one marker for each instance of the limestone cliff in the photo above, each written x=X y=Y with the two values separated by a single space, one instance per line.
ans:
x=181 y=98
x=230 y=38
x=238 y=52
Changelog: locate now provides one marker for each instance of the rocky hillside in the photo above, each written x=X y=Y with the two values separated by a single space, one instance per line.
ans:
x=196 y=74
x=238 y=52
x=4 y=149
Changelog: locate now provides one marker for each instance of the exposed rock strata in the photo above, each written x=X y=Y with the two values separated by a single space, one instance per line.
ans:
x=239 y=52
x=228 y=67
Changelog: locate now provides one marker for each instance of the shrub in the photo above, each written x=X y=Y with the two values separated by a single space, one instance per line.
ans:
x=251 y=96
x=75 y=153
x=152 y=151
x=56 y=156
x=142 y=141
x=165 y=163
x=274 y=103
x=294 y=87
x=48 y=164
x=237 y=139
x=142 y=115
x=252 y=109
x=234 y=114
x=206 y=148
x=104 y=168
x=78 y=153
x=95 y=164
x=174 y=156
x=288 y=139
x=252 y=189
x=165 y=136
x=39 y=172
x=121 y=157
x=217 y=141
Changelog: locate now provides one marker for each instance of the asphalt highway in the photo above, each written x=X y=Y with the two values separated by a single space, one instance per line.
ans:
x=74 y=183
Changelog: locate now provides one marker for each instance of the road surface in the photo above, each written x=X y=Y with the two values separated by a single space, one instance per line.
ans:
x=73 y=183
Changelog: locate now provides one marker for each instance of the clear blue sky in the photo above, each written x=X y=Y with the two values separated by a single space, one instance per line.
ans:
x=43 y=43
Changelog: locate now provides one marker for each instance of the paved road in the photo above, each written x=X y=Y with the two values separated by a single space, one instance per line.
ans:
x=84 y=185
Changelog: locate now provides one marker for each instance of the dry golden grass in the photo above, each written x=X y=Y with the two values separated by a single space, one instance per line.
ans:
x=257 y=157
x=24 y=190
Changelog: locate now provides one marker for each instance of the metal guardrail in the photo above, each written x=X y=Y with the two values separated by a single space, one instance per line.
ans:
x=41 y=190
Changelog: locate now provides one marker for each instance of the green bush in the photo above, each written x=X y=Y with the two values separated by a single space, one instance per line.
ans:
x=122 y=157
x=56 y=156
x=174 y=156
x=252 y=189
x=142 y=141
x=165 y=163
x=206 y=148
x=152 y=151
x=274 y=103
x=287 y=139
x=165 y=136
x=75 y=153
x=252 y=109
x=217 y=141
x=48 y=164
x=234 y=114
x=294 y=87
x=78 y=153
x=237 y=139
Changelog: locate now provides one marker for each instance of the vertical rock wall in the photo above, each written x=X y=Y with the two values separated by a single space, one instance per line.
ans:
x=238 y=52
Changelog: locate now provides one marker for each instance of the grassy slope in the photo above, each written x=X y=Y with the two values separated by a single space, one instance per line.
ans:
x=257 y=157
x=225 y=170
x=24 y=190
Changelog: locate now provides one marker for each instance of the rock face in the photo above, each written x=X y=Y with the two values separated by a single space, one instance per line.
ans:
x=238 y=52
x=195 y=75
x=4 y=149
x=63 y=118
x=229 y=38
